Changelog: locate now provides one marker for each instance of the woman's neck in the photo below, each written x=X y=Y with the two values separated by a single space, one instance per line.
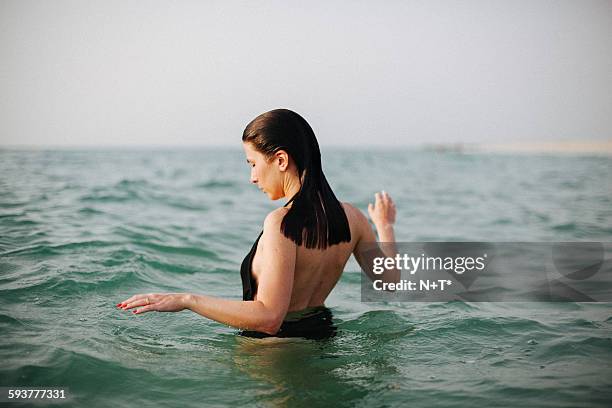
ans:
x=291 y=188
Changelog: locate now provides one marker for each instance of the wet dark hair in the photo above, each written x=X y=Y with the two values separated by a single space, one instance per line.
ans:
x=316 y=217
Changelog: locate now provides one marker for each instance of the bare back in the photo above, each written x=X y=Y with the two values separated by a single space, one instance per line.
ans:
x=317 y=271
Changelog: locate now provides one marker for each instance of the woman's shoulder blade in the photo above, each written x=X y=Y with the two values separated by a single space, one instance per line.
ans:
x=353 y=213
x=357 y=220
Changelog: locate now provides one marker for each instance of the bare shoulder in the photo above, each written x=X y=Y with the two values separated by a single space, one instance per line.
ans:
x=272 y=226
x=357 y=220
x=274 y=218
x=353 y=213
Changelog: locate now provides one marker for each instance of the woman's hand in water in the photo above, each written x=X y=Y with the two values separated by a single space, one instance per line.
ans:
x=382 y=212
x=158 y=302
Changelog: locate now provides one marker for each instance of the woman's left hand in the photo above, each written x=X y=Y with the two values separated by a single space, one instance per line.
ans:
x=159 y=302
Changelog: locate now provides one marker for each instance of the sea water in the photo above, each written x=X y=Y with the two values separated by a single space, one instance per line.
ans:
x=81 y=230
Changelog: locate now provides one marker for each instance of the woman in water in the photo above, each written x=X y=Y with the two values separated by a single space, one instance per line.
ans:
x=303 y=248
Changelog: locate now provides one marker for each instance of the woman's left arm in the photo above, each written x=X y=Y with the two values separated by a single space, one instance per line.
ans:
x=275 y=285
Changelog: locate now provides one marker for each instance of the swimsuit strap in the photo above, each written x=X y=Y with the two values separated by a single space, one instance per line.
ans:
x=290 y=200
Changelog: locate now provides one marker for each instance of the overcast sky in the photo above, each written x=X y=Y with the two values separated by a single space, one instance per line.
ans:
x=361 y=72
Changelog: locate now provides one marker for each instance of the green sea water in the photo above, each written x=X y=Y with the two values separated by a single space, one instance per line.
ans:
x=81 y=230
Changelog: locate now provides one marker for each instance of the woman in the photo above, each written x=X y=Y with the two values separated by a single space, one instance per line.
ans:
x=303 y=248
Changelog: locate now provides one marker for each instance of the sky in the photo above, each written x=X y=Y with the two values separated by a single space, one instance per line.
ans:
x=390 y=73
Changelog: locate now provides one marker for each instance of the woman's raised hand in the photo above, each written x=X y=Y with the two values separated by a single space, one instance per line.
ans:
x=382 y=212
x=158 y=302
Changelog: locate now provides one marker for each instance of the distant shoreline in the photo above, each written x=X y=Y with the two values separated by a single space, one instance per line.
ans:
x=599 y=147
x=603 y=147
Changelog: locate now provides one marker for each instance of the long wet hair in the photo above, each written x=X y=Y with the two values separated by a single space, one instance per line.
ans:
x=316 y=218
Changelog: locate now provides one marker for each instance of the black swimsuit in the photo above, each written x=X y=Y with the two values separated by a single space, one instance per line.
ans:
x=313 y=323
x=249 y=286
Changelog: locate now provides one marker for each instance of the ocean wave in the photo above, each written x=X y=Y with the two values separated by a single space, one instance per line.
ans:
x=48 y=249
x=9 y=322
x=90 y=211
x=178 y=250
x=110 y=197
x=59 y=286
x=122 y=191
x=216 y=184
x=576 y=346
x=483 y=326
x=178 y=202
x=566 y=227
x=170 y=267
x=384 y=323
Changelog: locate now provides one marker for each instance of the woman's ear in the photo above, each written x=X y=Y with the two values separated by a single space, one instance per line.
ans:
x=282 y=158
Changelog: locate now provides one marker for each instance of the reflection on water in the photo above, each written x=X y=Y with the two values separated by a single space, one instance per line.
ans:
x=297 y=372
x=362 y=361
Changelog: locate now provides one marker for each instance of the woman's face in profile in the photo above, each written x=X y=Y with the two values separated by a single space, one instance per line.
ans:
x=264 y=174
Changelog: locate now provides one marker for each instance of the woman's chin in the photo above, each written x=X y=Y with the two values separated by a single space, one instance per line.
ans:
x=273 y=197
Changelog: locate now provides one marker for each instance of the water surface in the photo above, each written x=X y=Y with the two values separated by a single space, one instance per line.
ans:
x=82 y=230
